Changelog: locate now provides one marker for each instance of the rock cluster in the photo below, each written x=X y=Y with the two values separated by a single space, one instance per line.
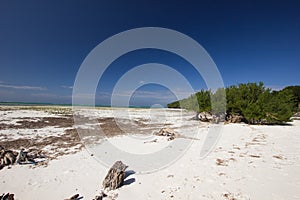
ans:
x=234 y=118
x=208 y=117
x=205 y=117
x=168 y=132
x=296 y=116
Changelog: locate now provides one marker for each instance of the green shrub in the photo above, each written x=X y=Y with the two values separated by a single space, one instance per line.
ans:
x=253 y=101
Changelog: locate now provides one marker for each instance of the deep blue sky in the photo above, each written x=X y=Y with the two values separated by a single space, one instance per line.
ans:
x=42 y=44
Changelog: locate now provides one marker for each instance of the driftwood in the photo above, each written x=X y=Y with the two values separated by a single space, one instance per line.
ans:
x=9 y=157
x=115 y=176
x=23 y=158
x=7 y=196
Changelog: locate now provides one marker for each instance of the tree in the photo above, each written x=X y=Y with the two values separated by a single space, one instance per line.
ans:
x=253 y=101
x=279 y=106
x=296 y=92
x=203 y=98
x=218 y=102
x=174 y=104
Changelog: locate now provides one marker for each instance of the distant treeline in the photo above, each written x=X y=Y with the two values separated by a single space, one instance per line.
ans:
x=254 y=102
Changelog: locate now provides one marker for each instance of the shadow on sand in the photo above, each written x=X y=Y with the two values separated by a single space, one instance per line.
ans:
x=127 y=179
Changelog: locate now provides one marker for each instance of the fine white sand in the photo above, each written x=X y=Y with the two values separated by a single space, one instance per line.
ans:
x=248 y=162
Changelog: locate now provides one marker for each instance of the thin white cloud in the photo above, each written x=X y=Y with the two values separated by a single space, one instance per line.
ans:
x=158 y=94
x=88 y=95
x=146 y=94
x=51 y=96
x=4 y=93
x=22 y=87
x=45 y=95
x=275 y=87
x=67 y=87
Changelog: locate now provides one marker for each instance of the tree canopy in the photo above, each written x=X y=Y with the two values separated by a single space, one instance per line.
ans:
x=256 y=103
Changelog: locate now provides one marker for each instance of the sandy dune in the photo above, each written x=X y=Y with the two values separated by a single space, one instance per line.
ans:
x=248 y=162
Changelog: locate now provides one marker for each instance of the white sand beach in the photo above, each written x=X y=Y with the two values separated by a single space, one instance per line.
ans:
x=248 y=162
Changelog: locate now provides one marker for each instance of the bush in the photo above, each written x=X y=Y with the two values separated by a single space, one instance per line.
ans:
x=253 y=101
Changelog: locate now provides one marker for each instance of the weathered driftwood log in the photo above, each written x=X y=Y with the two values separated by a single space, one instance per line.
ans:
x=115 y=176
x=7 y=196
x=7 y=157
x=23 y=158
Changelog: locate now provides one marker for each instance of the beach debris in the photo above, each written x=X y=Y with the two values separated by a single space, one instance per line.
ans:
x=236 y=196
x=171 y=134
x=254 y=156
x=224 y=162
x=229 y=196
x=280 y=157
x=7 y=196
x=257 y=140
x=204 y=116
x=209 y=117
x=9 y=157
x=100 y=197
x=23 y=158
x=115 y=176
x=170 y=176
x=74 y=197
x=151 y=141
x=234 y=118
x=221 y=162
x=168 y=132
x=296 y=116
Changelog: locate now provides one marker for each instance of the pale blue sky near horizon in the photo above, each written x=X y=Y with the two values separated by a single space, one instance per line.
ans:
x=42 y=44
